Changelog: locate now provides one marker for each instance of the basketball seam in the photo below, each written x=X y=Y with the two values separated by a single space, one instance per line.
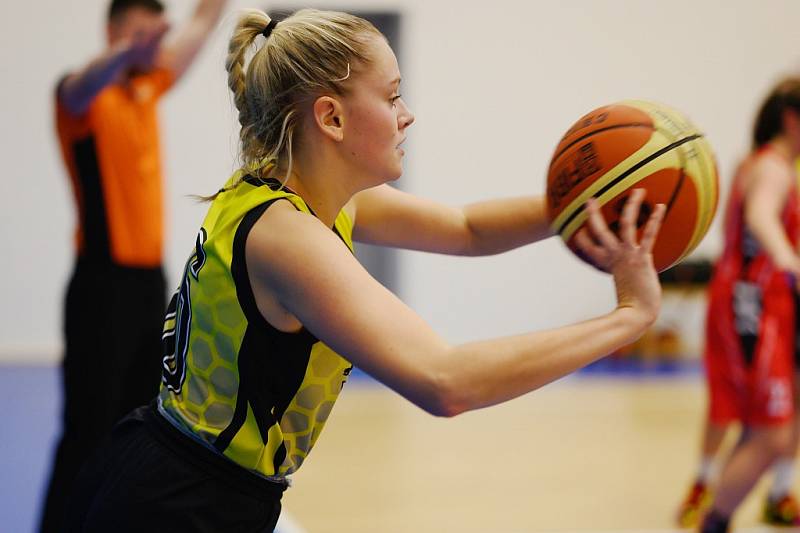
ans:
x=678 y=187
x=595 y=132
x=627 y=173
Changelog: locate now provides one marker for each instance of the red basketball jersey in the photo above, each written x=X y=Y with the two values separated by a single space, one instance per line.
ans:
x=750 y=326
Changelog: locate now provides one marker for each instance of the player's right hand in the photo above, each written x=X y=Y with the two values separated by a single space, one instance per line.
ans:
x=629 y=261
x=142 y=48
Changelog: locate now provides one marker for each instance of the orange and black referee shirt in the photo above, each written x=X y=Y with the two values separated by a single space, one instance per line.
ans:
x=113 y=158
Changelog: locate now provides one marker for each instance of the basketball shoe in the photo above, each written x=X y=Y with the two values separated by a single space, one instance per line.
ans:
x=783 y=512
x=695 y=505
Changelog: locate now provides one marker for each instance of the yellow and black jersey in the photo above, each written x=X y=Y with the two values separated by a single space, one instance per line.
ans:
x=230 y=380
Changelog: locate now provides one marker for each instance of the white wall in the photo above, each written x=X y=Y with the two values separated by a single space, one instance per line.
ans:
x=493 y=86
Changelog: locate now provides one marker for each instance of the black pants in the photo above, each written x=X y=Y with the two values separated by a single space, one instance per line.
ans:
x=112 y=363
x=151 y=478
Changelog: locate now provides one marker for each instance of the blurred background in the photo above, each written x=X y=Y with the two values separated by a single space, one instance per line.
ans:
x=493 y=86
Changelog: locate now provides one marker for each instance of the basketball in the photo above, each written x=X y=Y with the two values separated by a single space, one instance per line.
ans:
x=635 y=144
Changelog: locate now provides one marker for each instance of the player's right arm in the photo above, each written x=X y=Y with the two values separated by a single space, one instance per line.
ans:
x=766 y=190
x=77 y=91
x=386 y=216
x=301 y=271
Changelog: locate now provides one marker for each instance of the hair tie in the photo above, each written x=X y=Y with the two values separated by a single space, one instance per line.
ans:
x=268 y=30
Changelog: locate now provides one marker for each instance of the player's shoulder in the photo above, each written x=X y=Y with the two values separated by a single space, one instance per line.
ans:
x=285 y=244
x=282 y=224
x=771 y=165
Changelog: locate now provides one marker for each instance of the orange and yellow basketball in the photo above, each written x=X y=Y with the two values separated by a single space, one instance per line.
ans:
x=635 y=144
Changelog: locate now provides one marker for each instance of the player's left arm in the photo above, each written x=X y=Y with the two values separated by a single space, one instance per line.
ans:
x=766 y=193
x=179 y=53
x=389 y=217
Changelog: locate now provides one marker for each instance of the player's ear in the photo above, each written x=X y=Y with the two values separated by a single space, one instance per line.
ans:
x=329 y=117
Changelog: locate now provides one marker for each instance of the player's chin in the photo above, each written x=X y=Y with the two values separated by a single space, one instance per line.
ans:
x=398 y=172
x=394 y=176
x=385 y=175
x=395 y=171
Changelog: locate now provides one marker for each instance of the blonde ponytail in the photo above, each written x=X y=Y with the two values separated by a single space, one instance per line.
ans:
x=305 y=55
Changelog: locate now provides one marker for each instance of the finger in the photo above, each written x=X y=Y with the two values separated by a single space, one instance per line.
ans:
x=650 y=232
x=630 y=215
x=594 y=254
x=597 y=224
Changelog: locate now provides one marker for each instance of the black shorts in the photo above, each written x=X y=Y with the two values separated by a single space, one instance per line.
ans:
x=150 y=478
x=114 y=319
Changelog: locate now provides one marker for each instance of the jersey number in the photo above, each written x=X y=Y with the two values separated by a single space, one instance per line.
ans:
x=178 y=321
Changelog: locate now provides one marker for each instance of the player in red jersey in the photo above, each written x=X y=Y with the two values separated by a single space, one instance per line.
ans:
x=751 y=327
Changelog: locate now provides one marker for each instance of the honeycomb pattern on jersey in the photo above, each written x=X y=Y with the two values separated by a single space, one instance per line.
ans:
x=309 y=410
x=208 y=398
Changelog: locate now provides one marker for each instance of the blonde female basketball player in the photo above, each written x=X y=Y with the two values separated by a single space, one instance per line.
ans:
x=274 y=309
x=751 y=331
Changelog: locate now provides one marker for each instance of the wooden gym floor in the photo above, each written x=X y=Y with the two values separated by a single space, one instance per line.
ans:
x=585 y=454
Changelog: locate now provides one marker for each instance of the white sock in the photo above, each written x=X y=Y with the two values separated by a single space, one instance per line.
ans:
x=783 y=469
x=707 y=472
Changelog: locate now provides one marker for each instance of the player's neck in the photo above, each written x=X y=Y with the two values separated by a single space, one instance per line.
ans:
x=123 y=78
x=323 y=187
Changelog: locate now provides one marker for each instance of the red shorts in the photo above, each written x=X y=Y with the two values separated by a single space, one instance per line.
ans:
x=750 y=352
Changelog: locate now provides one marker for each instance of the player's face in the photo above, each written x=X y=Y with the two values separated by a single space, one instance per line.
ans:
x=136 y=24
x=376 y=117
x=791 y=128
